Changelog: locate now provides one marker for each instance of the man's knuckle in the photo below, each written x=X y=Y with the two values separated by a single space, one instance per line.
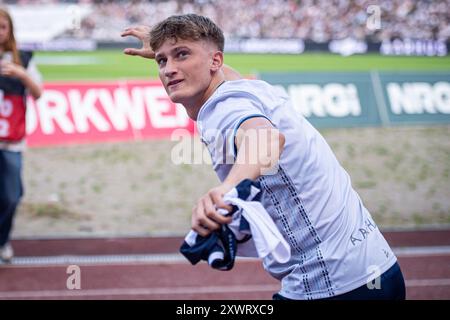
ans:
x=210 y=214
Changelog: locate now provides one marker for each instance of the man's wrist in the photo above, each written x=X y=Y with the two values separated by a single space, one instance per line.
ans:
x=227 y=186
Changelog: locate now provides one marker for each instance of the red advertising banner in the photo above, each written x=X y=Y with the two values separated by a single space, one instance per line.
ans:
x=87 y=112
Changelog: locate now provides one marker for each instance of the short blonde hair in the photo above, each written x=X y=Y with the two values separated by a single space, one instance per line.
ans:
x=186 y=27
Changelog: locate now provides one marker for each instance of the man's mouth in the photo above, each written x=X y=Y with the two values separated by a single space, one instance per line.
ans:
x=174 y=82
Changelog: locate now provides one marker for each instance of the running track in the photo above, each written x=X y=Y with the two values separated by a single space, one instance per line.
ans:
x=151 y=268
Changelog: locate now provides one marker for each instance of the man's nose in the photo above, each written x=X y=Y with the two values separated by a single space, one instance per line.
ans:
x=170 y=68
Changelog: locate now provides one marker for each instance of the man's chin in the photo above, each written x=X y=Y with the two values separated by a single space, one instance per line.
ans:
x=175 y=97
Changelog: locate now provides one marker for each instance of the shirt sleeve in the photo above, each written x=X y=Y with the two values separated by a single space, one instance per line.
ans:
x=221 y=125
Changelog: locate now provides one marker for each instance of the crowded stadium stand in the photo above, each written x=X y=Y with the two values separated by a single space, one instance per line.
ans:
x=412 y=27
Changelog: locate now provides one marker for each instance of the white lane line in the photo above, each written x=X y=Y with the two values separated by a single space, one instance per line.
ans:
x=98 y=259
x=138 y=291
x=421 y=251
x=175 y=258
x=177 y=290
x=428 y=283
x=178 y=258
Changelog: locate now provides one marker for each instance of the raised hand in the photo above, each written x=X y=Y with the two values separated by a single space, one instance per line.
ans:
x=143 y=34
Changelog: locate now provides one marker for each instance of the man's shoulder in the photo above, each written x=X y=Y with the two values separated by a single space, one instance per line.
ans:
x=256 y=92
x=244 y=85
x=231 y=98
x=243 y=90
x=240 y=96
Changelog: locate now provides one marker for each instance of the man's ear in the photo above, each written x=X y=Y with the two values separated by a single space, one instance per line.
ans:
x=217 y=61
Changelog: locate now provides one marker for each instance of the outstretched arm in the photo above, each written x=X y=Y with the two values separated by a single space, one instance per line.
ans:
x=259 y=147
x=142 y=33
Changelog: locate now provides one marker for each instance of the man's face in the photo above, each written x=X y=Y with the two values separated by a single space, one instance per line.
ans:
x=185 y=69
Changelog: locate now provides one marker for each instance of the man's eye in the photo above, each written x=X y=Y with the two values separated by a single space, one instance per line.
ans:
x=161 y=61
x=182 y=54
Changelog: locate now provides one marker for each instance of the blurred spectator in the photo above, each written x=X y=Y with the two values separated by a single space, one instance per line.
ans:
x=18 y=78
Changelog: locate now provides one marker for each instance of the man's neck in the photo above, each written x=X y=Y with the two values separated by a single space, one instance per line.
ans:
x=194 y=109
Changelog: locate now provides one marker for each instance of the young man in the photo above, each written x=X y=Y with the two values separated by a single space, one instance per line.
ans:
x=337 y=251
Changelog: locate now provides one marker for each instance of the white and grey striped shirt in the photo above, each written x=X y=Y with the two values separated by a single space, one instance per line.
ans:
x=335 y=244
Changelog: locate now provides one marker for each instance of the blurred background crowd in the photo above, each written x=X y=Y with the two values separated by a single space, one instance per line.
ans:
x=310 y=20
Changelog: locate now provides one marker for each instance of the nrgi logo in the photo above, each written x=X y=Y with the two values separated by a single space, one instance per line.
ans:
x=360 y=99
x=419 y=97
x=331 y=100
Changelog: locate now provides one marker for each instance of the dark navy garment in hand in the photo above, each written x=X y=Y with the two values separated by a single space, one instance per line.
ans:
x=219 y=248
